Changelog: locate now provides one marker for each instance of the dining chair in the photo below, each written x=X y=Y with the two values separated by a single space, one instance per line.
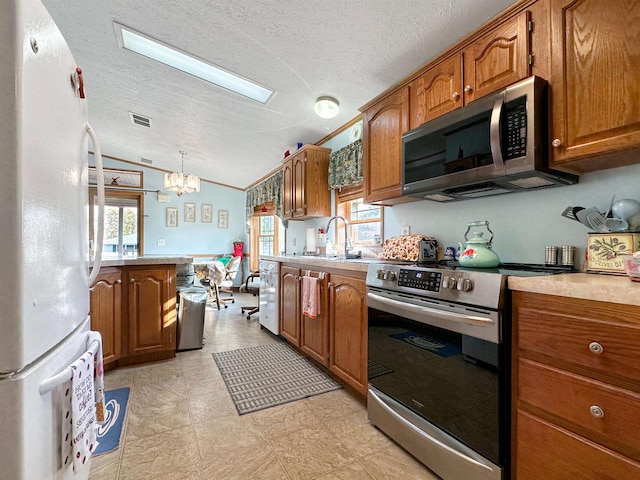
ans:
x=220 y=280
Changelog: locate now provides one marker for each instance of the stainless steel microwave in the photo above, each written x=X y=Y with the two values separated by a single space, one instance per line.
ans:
x=496 y=144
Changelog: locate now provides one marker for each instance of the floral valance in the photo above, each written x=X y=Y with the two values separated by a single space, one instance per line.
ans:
x=345 y=165
x=269 y=190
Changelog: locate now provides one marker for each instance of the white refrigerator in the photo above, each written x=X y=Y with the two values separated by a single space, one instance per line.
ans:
x=44 y=292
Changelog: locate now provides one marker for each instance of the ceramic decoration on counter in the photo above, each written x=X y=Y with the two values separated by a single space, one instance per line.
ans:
x=632 y=266
x=606 y=252
x=477 y=252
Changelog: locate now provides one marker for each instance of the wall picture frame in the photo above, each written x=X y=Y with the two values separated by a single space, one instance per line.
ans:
x=189 y=212
x=206 y=213
x=172 y=217
x=223 y=218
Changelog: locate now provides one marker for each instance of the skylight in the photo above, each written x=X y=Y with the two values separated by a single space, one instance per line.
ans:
x=163 y=53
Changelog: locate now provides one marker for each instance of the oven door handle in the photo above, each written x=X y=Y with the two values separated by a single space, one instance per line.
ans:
x=486 y=469
x=440 y=314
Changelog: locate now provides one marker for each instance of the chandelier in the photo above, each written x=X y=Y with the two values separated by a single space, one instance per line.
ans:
x=181 y=182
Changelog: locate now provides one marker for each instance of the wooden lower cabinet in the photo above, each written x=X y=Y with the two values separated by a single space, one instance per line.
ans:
x=348 y=330
x=152 y=310
x=337 y=337
x=138 y=322
x=546 y=452
x=576 y=389
x=290 y=305
x=106 y=311
x=311 y=335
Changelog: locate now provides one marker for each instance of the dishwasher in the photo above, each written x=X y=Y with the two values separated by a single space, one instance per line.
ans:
x=270 y=295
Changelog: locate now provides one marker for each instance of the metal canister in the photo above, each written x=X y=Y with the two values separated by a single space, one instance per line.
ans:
x=550 y=255
x=566 y=258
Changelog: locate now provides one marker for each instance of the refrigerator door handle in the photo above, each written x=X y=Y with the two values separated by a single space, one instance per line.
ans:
x=97 y=154
x=65 y=375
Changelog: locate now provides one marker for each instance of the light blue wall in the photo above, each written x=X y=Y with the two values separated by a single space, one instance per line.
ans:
x=190 y=237
x=523 y=223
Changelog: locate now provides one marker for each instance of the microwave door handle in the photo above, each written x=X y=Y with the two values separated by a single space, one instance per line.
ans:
x=494 y=135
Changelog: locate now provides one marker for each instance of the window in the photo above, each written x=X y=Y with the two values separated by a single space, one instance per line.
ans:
x=266 y=230
x=122 y=221
x=365 y=222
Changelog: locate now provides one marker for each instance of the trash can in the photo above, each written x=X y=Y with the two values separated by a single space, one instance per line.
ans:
x=192 y=303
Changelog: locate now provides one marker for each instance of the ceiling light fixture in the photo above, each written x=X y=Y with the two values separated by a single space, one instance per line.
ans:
x=326 y=107
x=181 y=182
x=163 y=53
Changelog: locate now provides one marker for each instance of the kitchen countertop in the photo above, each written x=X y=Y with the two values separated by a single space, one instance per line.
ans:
x=588 y=286
x=356 y=264
x=122 y=260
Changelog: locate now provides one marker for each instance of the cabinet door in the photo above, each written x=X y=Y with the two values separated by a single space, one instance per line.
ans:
x=290 y=305
x=152 y=310
x=106 y=314
x=348 y=331
x=287 y=190
x=384 y=124
x=314 y=335
x=595 y=78
x=436 y=92
x=498 y=59
x=298 y=168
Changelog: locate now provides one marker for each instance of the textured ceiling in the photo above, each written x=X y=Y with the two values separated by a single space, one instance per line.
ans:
x=350 y=49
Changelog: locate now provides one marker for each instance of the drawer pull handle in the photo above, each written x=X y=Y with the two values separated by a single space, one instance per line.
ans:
x=596 y=411
x=596 y=348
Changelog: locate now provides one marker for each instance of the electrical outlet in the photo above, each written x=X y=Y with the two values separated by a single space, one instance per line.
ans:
x=293 y=242
x=406 y=230
x=160 y=242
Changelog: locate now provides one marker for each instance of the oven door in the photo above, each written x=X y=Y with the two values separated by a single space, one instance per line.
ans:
x=442 y=363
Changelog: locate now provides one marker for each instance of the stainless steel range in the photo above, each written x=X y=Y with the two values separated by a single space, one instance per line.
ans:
x=439 y=364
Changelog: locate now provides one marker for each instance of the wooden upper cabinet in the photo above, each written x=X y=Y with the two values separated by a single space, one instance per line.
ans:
x=298 y=168
x=595 y=83
x=383 y=126
x=305 y=184
x=497 y=59
x=287 y=190
x=437 y=91
x=106 y=311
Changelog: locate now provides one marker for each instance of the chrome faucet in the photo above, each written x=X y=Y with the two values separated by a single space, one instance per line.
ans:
x=347 y=241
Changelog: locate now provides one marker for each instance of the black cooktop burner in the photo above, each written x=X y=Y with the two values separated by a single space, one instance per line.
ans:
x=514 y=269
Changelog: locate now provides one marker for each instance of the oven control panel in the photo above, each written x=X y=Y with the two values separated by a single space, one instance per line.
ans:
x=421 y=279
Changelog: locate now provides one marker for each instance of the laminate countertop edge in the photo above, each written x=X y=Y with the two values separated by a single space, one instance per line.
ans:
x=125 y=260
x=356 y=265
x=587 y=286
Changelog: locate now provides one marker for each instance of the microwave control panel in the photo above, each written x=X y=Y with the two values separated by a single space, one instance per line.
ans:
x=515 y=129
x=421 y=279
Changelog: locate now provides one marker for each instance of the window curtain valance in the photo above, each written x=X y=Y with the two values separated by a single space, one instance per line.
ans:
x=345 y=166
x=269 y=190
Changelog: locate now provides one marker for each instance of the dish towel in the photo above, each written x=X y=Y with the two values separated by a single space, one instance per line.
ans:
x=310 y=296
x=79 y=435
x=98 y=376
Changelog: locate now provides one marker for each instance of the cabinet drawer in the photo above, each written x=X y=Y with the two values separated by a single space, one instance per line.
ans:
x=574 y=331
x=571 y=398
x=547 y=452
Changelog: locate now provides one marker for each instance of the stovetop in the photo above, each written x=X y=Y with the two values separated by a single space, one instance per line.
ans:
x=449 y=281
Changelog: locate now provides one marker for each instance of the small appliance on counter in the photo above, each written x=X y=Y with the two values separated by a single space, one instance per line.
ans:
x=410 y=248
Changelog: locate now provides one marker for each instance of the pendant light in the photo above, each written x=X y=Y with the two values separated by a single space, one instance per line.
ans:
x=181 y=182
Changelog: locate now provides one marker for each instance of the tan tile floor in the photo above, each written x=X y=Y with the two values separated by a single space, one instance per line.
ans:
x=182 y=425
